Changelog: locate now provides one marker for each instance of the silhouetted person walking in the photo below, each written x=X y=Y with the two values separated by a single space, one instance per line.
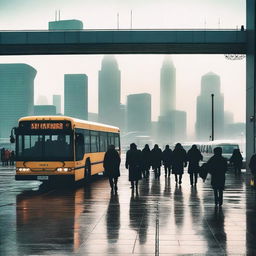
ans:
x=133 y=164
x=167 y=160
x=237 y=160
x=156 y=159
x=179 y=162
x=252 y=166
x=111 y=165
x=193 y=156
x=145 y=160
x=217 y=167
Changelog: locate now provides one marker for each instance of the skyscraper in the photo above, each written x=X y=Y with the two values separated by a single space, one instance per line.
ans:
x=210 y=84
x=109 y=91
x=167 y=87
x=139 y=112
x=16 y=95
x=56 y=101
x=76 y=95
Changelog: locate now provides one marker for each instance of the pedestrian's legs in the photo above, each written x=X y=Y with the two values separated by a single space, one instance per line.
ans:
x=220 y=197
x=169 y=171
x=132 y=185
x=115 y=180
x=111 y=183
x=180 y=178
x=165 y=170
x=136 y=183
x=191 y=179
x=196 y=175
x=159 y=171
x=176 y=178
x=216 y=198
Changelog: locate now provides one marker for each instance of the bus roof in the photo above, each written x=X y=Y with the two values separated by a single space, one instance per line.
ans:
x=79 y=123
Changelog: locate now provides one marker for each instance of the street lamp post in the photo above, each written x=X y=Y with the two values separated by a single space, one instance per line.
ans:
x=212 y=117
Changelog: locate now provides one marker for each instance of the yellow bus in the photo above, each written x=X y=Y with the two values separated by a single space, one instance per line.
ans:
x=55 y=149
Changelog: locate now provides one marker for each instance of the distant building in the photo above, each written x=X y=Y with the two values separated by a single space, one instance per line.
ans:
x=109 y=92
x=44 y=110
x=56 y=101
x=65 y=24
x=167 y=87
x=228 y=117
x=76 y=96
x=139 y=112
x=16 y=95
x=42 y=100
x=93 y=117
x=210 y=84
x=172 y=127
x=235 y=131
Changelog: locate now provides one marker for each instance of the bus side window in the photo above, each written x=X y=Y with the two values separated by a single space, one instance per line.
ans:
x=103 y=142
x=79 y=146
x=111 y=139
x=117 y=142
x=87 y=144
x=210 y=149
x=94 y=141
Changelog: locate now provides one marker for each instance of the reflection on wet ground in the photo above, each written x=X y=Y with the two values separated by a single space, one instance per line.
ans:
x=90 y=220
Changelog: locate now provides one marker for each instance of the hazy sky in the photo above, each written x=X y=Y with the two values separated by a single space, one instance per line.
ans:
x=140 y=73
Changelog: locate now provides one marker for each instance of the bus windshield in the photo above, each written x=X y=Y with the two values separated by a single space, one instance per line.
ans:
x=46 y=147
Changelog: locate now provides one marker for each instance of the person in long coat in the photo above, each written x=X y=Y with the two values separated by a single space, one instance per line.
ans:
x=111 y=165
x=133 y=164
x=167 y=160
x=193 y=156
x=145 y=161
x=156 y=160
x=252 y=166
x=179 y=162
x=237 y=160
x=217 y=167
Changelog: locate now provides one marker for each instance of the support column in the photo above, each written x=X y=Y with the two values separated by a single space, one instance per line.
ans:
x=250 y=79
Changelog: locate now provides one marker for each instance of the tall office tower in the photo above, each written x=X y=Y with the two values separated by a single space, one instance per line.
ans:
x=139 y=112
x=76 y=95
x=210 y=84
x=16 y=95
x=109 y=92
x=65 y=24
x=44 y=110
x=167 y=87
x=172 y=127
x=56 y=101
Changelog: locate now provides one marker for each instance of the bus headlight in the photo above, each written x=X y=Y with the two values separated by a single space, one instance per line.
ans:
x=64 y=169
x=23 y=169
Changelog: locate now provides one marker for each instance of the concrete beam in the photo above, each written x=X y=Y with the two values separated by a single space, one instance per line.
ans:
x=123 y=42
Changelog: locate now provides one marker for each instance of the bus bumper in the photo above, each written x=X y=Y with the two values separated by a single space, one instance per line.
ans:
x=47 y=178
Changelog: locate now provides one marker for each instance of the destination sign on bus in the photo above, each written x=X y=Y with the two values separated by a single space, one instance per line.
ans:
x=47 y=126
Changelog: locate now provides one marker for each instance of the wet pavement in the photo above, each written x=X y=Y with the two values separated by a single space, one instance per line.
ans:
x=162 y=219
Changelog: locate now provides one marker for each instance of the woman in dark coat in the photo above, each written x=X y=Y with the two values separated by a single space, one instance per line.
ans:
x=217 y=167
x=156 y=159
x=111 y=165
x=193 y=156
x=167 y=160
x=237 y=160
x=179 y=162
x=145 y=161
x=133 y=164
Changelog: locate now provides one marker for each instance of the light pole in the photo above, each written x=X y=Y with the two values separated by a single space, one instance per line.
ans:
x=212 y=116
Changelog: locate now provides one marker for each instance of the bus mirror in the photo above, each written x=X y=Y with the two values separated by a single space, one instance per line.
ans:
x=12 y=138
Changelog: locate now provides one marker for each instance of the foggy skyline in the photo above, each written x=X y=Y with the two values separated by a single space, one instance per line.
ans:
x=140 y=73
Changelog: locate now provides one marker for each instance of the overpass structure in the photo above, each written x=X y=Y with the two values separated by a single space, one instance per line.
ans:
x=122 y=42
x=149 y=42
